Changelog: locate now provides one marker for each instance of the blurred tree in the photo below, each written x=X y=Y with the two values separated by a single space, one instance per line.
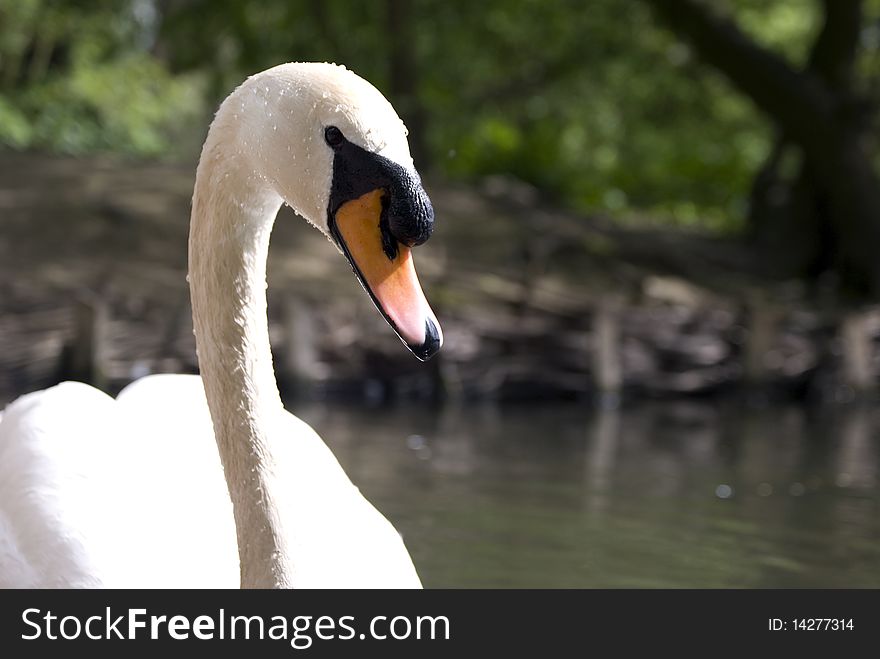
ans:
x=404 y=77
x=815 y=203
x=597 y=106
x=78 y=76
x=558 y=95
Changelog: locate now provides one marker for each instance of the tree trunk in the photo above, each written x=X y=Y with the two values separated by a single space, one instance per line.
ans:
x=403 y=90
x=828 y=216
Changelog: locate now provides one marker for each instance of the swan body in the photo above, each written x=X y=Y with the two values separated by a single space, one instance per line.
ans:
x=188 y=481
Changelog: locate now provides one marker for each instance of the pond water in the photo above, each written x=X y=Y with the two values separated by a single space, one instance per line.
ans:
x=664 y=494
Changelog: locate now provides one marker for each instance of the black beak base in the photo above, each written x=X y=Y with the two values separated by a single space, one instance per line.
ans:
x=407 y=215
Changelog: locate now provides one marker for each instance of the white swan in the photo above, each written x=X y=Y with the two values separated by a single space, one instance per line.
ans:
x=131 y=492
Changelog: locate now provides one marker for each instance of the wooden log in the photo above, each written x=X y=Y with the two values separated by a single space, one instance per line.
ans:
x=857 y=348
x=82 y=357
x=302 y=366
x=606 y=353
x=763 y=326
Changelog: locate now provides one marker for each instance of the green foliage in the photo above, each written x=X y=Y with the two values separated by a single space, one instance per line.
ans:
x=77 y=77
x=600 y=107
x=593 y=103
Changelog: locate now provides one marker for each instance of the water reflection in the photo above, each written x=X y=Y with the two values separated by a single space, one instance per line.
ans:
x=668 y=494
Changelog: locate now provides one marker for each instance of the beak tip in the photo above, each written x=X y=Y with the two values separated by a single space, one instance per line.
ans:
x=432 y=344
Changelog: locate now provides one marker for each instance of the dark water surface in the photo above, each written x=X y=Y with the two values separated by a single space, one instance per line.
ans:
x=665 y=494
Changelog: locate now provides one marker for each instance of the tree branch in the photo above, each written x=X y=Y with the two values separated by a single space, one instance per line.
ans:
x=798 y=102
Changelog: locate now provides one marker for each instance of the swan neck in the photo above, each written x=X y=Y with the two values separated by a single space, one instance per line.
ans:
x=232 y=217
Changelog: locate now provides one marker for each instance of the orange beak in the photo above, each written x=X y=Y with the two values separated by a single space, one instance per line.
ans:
x=392 y=283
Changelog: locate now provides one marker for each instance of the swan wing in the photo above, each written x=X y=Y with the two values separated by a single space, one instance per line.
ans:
x=102 y=493
x=54 y=494
x=339 y=538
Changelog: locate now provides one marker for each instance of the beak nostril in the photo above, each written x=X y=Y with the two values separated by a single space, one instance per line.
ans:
x=409 y=210
x=411 y=226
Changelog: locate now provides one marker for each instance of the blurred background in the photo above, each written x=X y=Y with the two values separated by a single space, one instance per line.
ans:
x=654 y=263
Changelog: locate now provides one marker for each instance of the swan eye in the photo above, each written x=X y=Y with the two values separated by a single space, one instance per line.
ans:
x=333 y=136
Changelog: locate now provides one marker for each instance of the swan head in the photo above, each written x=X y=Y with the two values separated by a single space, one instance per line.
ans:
x=333 y=148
